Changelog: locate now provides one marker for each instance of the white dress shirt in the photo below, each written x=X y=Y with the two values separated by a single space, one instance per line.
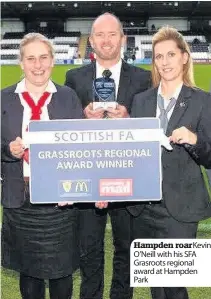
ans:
x=115 y=70
x=21 y=87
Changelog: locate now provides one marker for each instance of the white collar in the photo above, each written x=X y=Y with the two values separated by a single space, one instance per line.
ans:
x=176 y=92
x=21 y=87
x=115 y=69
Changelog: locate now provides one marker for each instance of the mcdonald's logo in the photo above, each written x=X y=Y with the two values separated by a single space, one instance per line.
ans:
x=75 y=188
x=81 y=186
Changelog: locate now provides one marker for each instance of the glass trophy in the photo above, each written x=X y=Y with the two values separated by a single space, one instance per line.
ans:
x=104 y=91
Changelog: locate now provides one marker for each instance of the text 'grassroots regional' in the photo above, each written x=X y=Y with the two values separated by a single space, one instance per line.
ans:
x=93 y=153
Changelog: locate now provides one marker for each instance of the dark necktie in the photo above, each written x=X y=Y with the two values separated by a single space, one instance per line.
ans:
x=36 y=111
x=107 y=74
x=164 y=112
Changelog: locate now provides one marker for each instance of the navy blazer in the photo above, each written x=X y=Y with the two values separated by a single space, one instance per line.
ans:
x=132 y=81
x=184 y=191
x=64 y=104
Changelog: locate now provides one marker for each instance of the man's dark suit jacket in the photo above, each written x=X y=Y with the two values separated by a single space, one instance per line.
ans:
x=132 y=81
x=184 y=191
x=64 y=104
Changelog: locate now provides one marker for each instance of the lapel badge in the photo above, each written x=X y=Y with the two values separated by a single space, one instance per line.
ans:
x=182 y=104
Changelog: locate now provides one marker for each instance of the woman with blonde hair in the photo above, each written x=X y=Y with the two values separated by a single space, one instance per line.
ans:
x=38 y=240
x=184 y=113
x=170 y=33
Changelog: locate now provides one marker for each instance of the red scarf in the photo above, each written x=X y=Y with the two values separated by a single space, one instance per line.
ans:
x=36 y=111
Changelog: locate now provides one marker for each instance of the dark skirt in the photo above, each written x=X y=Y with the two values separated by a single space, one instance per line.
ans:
x=40 y=240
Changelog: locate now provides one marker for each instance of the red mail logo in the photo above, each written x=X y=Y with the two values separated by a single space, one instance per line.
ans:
x=116 y=187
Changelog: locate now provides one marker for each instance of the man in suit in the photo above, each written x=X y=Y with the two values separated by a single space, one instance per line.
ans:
x=185 y=118
x=106 y=39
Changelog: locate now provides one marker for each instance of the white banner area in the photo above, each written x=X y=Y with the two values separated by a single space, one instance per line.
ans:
x=97 y=136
